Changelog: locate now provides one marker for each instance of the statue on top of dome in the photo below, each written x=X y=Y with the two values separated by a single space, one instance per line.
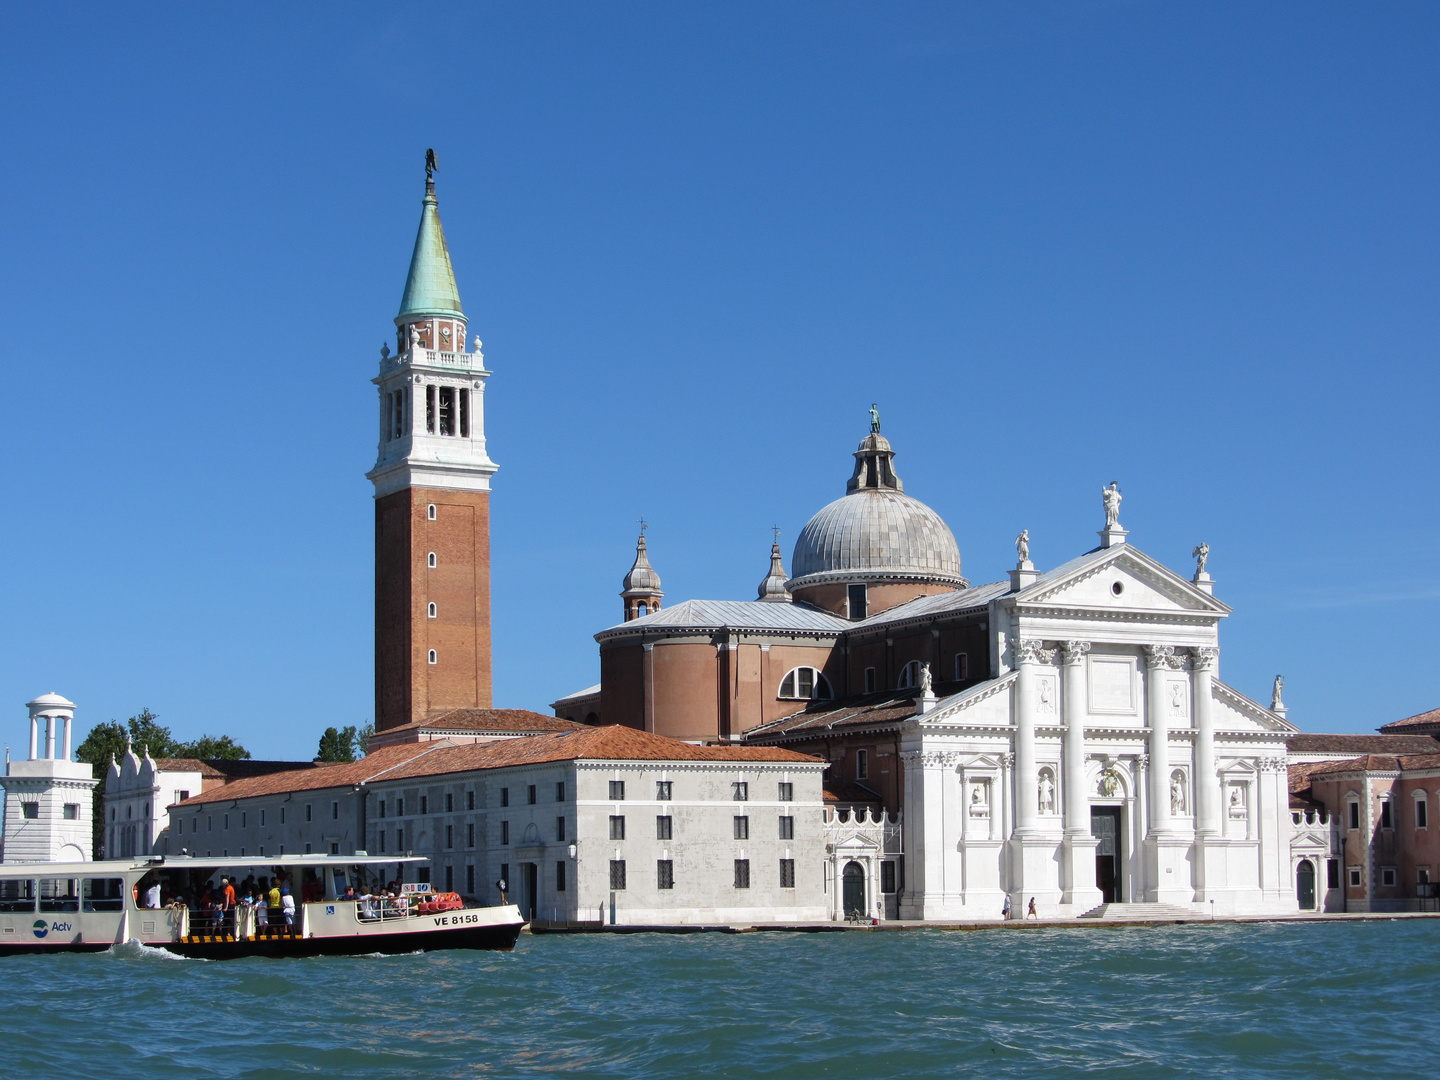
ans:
x=874 y=419
x=1112 y=497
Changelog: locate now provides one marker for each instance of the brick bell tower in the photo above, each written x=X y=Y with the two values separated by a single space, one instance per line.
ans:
x=432 y=498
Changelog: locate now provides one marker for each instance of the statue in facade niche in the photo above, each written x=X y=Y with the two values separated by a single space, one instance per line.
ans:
x=1109 y=782
x=1200 y=554
x=926 y=683
x=1112 y=497
x=1275 y=702
x=1177 y=794
x=1047 y=793
x=1022 y=545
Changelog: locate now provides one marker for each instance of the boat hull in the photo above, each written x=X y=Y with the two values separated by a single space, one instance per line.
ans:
x=502 y=938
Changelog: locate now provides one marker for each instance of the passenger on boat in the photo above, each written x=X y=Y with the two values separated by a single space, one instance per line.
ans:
x=273 y=897
x=152 y=895
x=227 y=891
x=262 y=910
x=287 y=905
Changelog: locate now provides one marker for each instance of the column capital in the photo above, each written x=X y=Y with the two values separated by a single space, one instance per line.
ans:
x=1074 y=651
x=1030 y=651
x=1204 y=657
x=1163 y=656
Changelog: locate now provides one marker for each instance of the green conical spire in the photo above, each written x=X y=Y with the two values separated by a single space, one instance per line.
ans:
x=430 y=286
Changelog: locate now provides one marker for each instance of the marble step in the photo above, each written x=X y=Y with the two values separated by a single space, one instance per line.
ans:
x=1143 y=911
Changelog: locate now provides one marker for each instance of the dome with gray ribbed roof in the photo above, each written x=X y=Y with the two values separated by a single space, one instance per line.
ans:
x=875 y=532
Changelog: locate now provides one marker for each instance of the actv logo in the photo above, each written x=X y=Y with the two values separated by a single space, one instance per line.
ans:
x=41 y=928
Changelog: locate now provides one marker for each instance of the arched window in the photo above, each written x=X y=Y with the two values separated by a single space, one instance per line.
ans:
x=805 y=684
x=430 y=512
x=431 y=560
x=432 y=656
x=642 y=609
x=909 y=675
x=431 y=609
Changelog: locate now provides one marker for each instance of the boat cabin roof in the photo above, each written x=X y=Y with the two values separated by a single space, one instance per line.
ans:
x=110 y=867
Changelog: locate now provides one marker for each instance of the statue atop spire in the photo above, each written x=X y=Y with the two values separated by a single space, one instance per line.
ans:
x=430 y=167
x=874 y=419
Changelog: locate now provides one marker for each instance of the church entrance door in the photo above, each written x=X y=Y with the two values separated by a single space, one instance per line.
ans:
x=853 y=895
x=1105 y=827
x=1305 y=885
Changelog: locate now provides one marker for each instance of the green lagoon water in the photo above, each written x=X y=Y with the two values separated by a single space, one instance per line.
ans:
x=1267 y=1000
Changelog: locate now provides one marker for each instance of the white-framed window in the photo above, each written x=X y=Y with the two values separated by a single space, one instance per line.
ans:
x=862 y=764
x=805 y=684
x=1354 y=874
x=962 y=666
x=430 y=611
x=432 y=657
x=1387 y=876
x=430 y=560
x=72 y=811
x=1352 y=812
x=1387 y=816
x=430 y=512
x=869 y=680
x=909 y=675
x=1422 y=811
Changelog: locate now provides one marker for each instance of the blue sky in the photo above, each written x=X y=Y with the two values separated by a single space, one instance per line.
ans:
x=1189 y=247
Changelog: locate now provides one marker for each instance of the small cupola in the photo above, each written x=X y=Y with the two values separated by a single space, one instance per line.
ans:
x=642 y=584
x=773 y=589
x=874 y=462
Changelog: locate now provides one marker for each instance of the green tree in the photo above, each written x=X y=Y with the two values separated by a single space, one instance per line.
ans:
x=362 y=740
x=213 y=748
x=337 y=744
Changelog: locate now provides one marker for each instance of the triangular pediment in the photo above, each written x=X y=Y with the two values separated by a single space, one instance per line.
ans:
x=1089 y=583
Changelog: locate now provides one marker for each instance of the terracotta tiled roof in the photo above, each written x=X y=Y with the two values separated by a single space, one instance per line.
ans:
x=499 y=721
x=316 y=776
x=1377 y=763
x=410 y=760
x=230 y=769
x=885 y=708
x=1424 y=719
x=1354 y=745
x=610 y=743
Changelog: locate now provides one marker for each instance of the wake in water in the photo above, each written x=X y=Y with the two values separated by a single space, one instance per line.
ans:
x=136 y=950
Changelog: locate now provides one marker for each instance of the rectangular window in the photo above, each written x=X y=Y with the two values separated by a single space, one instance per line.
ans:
x=664 y=826
x=787 y=791
x=470 y=880
x=470 y=835
x=447 y=410
x=887 y=876
x=617 y=790
x=662 y=790
x=225 y=821
x=504 y=832
x=424 y=804
x=334 y=847
x=787 y=873
x=308 y=815
x=530 y=795
x=262 y=818
x=504 y=796
x=449 y=803
x=59 y=894
x=855 y=594
x=1387 y=876
x=449 y=841
x=379 y=835
x=862 y=764
x=787 y=827
x=740 y=790
x=1354 y=815
x=1422 y=875
x=449 y=879
x=1354 y=877
x=617 y=874
x=742 y=873
x=17 y=897
x=560 y=829
x=560 y=791
x=504 y=882
x=664 y=873
x=1332 y=873
x=962 y=667
x=399 y=840
x=103 y=894
x=464 y=402
x=469 y=800
x=1386 y=822
x=617 y=827
x=560 y=877
x=1422 y=813
x=430 y=410
x=869 y=680
x=72 y=811
x=243 y=816
x=399 y=808
x=742 y=827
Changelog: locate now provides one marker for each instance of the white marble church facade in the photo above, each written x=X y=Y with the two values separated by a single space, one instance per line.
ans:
x=1103 y=761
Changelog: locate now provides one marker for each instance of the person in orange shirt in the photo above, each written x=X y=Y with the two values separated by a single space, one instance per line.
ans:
x=227 y=901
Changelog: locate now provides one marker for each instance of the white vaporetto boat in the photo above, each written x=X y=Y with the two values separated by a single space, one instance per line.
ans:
x=91 y=906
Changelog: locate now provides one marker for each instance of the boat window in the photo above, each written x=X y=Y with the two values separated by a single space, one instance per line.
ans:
x=17 y=896
x=59 y=894
x=103 y=894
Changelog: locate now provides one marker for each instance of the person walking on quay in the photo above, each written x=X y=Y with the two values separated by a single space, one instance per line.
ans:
x=1032 y=913
x=1005 y=911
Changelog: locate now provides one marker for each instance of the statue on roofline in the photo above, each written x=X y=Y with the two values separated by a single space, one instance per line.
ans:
x=1200 y=554
x=1022 y=545
x=1112 y=497
x=1275 y=702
